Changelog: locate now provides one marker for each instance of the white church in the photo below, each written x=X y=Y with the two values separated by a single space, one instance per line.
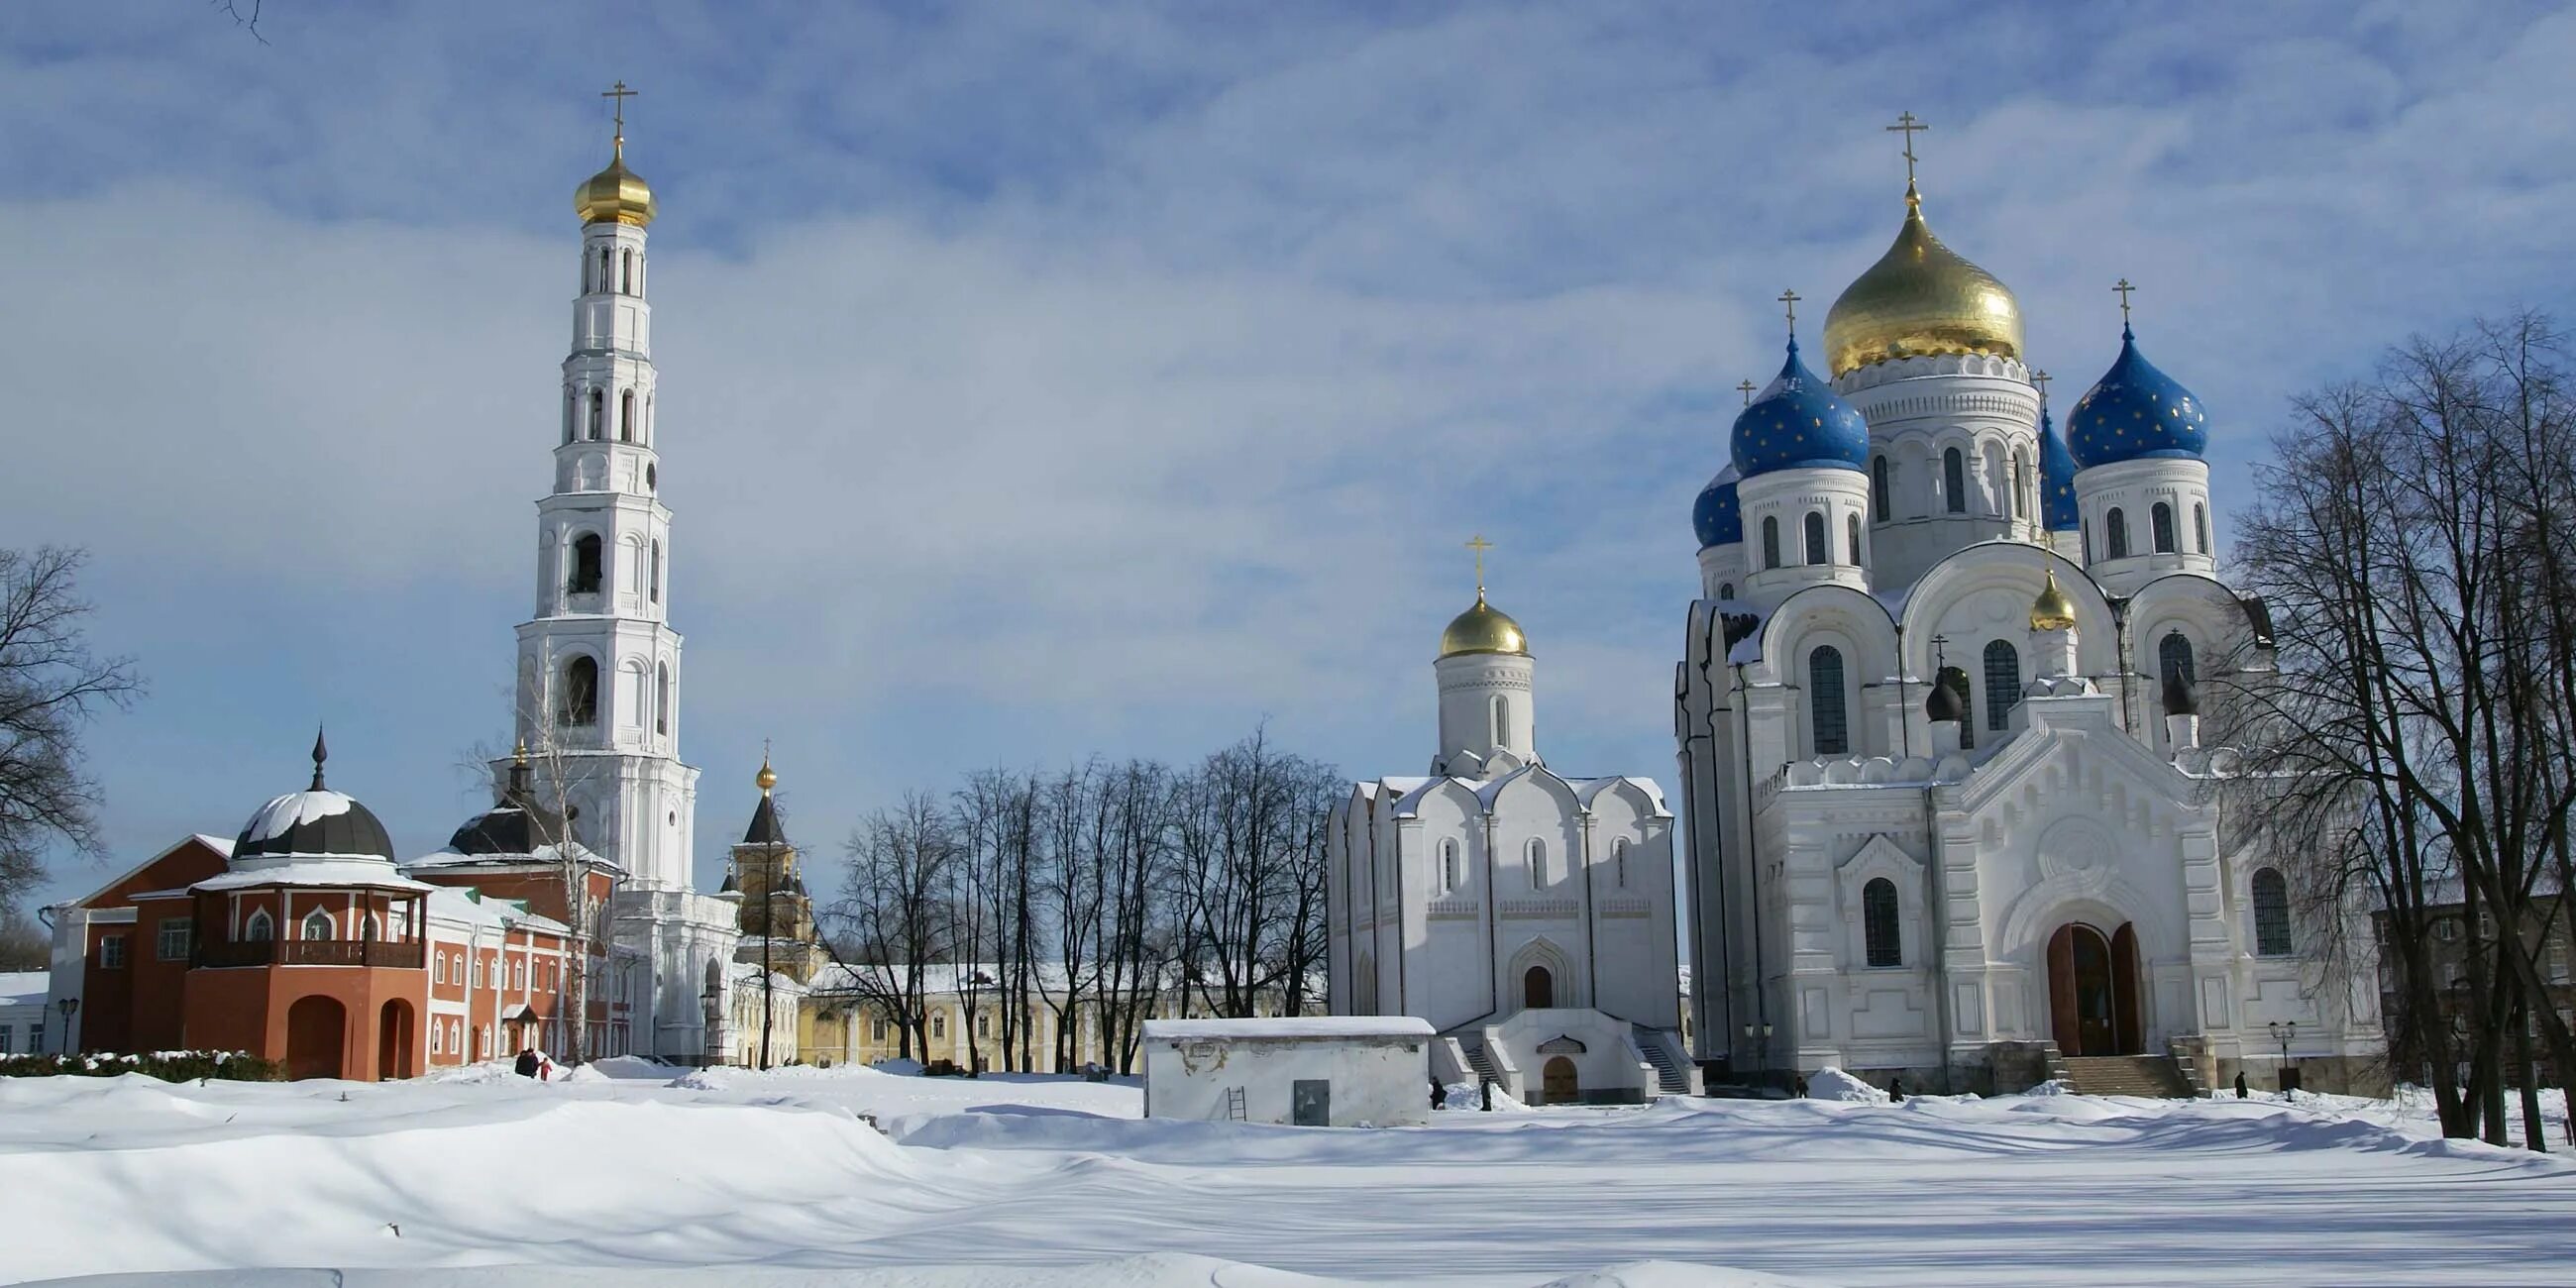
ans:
x=1950 y=820
x=1526 y=915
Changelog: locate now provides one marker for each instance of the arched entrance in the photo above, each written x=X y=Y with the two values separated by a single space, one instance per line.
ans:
x=2093 y=990
x=394 y=1041
x=1538 y=988
x=316 y=1037
x=1558 y=1083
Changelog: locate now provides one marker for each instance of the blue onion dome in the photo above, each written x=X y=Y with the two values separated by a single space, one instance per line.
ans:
x=2135 y=412
x=2056 y=478
x=1798 y=423
x=1715 y=516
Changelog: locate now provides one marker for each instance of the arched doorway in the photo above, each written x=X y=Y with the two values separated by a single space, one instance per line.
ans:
x=2093 y=990
x=1558 y=1083
x=394 y=1040
x=316 y=1037
x=1538 y=988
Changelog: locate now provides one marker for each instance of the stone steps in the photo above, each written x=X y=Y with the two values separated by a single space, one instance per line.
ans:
x=2152 y=1076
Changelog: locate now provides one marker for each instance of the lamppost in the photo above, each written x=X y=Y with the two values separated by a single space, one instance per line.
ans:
x=2282 y=1032
x=69 y=1006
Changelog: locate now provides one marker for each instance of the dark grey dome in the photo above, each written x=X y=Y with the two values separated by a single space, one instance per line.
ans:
x=316 y=821
x=1944 y=702
x=517 y=824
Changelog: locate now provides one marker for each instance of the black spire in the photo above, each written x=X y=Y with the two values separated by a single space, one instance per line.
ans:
x=320 y=753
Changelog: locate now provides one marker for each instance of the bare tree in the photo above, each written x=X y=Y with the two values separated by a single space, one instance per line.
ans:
x=23 y=943
x=51 y=684
x=894 y=920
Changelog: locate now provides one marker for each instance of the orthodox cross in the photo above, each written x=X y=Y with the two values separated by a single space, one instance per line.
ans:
x=618 y=94
x=1791 y=298
x=1746 y=389
x=1480 y=546
x=2039 y=380
x=2123 y=288
x=1907 y=125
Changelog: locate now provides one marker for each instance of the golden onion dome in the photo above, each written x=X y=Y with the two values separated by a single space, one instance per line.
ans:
x=615 y=195
x=767 y=777
x=1483 y=629
x=2052 y=611
x=1920 y=298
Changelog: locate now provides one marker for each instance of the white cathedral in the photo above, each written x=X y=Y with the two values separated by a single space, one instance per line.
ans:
x=1526 y=915
x=1950 y=820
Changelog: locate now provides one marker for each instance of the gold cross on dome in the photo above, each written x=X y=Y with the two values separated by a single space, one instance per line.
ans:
x=1909 y=126
x=618 y=94
x=1746 y=389
x=1791 y=298
x=1480 y=546
x=2123 y=288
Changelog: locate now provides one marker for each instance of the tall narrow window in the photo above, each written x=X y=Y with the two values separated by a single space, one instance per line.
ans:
x=585 y=574
x=1770 y=541
x=1827 y=718
x=2173 y=658
x=2115 y=533
x=657 y=572
x=1878 y=489
x=1851 y=531
x=1619 y=862
x=1954 y=481
x=1886 y=947
x=1817 y=551
x=1449 y=866
x=2200 y=526
x=2160 y=527
x=1537 y=863
x=2084 y=537
x=598 y=414
x=2003 y=683
x=2021 y=480
x=317 y=924
x=607 y=269
x=2271 y=913
x=626 y=417
x=662 y=698
x=581 y=693
x=1502 y=722
x=626 y=272
x=572 y=412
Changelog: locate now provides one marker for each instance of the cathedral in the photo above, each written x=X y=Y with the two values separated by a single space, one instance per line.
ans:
x=1526 y=915
x=1937 y=715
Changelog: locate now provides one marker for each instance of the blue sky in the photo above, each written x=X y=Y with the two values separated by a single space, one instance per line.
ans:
x=1047 y=379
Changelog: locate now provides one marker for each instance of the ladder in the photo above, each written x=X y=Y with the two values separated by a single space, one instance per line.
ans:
x=1234 y=1111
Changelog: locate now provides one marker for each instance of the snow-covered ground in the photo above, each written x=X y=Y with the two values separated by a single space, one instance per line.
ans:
x=630 y=1174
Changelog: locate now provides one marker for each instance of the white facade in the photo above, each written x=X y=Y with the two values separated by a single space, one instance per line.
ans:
x=1310 y=1072
x=1878 y=890
x=1495 y=887
x=29 y=1025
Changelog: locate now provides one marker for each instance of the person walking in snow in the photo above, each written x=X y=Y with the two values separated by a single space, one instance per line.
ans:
x=2240 y=1084
x=528 y=1062
x=1896 y=1091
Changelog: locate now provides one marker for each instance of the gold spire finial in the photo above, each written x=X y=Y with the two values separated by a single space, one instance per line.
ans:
x=1909 y=126
x=520 y=756
x=767 y=778
x=618 y=94
x=2123 y=288
x=1789 y=299
x=1480 y=546
x=1746 y=389
x=2052 y=610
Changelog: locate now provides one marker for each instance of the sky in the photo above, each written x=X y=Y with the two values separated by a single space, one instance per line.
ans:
x=1042 y=380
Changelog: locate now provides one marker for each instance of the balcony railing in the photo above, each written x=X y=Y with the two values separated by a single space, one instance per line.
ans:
x=314 y=952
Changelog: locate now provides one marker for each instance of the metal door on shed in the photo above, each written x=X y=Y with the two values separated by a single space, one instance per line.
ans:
x=1310 y=1103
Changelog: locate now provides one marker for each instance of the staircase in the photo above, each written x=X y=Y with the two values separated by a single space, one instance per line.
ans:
x=1670 y=1076
x=1481 y=1061
x=2152 y=1076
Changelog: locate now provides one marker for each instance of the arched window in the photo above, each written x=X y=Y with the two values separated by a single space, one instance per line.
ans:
x=662 y=698
x=1851 y=530
x=1878 y=923
x=607 y=269
x=2271 y=913
x=598 y=414
x=586 y=559
x=1538 y=988
x=317 y=924
x=2160 y=527
x=626 y=275
x=2173 y=658
x=1619 y=862
x=1817 y=551
x=1537 y=863
x=1827 y=719
x=1770 y=541
x=626 y=417
x=438 y=1038
x=2003 y=683
x=657 y=561
x=650 y=477
x=1502 y=722
x=1954 y=481
x=438 y=968
x=572 y=410
x=1878 y=489
x=1726 y=590
x=259 y=929
x=1449 y=866
x=371 y=928
x=2021 y=481
x=581 y=692
x=2200 y=526
x=2115 y=533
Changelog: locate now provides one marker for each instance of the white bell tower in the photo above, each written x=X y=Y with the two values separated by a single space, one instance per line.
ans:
x=599 y=665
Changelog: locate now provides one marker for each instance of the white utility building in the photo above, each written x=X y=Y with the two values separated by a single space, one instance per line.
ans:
x=1527 y=916
x=1298 y=1071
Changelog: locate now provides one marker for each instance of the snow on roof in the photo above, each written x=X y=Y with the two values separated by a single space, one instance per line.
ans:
x=543 y=854
x=1288 y=1027
x=222 y=845
x=466 y=904
x=293 y=810
x=23 y=987
x=323 y=870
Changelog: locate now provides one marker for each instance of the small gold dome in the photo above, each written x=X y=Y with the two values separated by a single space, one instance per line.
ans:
x=615 y=195
x=2052 y=611
x=767 y=778
x=1920 y=298
x=1483 y=629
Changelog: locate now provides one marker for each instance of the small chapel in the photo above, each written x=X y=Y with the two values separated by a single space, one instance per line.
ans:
x=1950 y=817
x=1526 y=915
